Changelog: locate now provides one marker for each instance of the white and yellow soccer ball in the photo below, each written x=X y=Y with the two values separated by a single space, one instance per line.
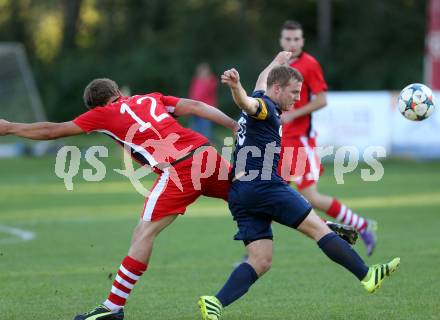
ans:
x=416 y=102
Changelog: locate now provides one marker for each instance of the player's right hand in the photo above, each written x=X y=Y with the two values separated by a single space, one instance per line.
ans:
x=4 y=127
x=283 y=57
x=231 y=78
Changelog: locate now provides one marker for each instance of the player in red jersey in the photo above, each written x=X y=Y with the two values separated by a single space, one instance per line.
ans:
x=187 y=166
x=299 y=161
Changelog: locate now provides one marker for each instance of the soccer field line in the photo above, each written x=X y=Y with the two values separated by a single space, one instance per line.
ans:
x=16 y=234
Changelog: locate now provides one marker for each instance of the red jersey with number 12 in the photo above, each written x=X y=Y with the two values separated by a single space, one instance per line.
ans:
x=314 y=83
x=143 y=124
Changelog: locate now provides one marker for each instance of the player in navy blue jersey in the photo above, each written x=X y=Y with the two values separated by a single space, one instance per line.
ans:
x=258 y=195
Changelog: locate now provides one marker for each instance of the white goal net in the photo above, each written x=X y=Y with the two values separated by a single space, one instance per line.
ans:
x=19 y=97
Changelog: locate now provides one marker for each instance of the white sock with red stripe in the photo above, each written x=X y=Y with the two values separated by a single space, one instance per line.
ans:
x=129 y=273
x=344 y=215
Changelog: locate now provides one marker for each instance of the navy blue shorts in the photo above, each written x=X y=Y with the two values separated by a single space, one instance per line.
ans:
x=254 y=205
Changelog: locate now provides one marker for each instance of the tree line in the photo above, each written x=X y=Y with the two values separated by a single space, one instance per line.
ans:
x=154 y=45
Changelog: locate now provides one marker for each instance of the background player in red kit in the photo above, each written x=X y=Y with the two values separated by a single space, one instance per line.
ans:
x=143 y=124
x=299 y=161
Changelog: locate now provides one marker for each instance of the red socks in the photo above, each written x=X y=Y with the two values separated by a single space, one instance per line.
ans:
x=129 y=273
x=344 y=215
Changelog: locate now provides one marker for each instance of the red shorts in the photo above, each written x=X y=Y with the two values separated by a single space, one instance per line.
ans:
x=299 y=162
x=205 y=173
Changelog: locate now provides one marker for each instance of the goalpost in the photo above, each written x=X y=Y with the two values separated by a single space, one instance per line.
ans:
x=19 y=97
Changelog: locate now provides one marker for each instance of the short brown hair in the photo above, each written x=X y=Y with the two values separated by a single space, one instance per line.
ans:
x=99 y=91
x=291 y=25
x=282 y=75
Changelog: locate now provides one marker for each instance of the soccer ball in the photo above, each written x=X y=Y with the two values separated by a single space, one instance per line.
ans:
x=415 y=102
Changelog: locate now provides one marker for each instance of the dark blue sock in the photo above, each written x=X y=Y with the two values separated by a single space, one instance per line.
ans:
x=238 y=284
x=342 y=253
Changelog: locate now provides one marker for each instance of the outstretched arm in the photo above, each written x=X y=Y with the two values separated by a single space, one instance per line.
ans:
x=39 y=130
x=320 y=101
x=232 y=79
x=281 y=59
x=203 y=110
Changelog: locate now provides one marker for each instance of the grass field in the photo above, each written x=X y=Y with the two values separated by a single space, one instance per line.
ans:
x=82 y=235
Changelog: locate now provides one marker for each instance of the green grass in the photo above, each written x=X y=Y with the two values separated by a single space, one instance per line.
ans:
x=82 y=235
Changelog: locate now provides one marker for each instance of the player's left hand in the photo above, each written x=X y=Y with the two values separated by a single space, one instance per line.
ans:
x=231 y=78
x=283 y=57
x=4 y=127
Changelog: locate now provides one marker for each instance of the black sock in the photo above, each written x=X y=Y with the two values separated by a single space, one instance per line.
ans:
x=342 y=253
x=238 y=284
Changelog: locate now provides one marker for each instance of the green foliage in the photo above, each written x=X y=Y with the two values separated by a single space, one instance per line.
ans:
x=154 y=45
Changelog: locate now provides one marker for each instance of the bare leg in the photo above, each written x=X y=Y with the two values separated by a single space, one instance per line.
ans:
x=136 y=262
x=242 y=278
x=260 y=255
x=314 y=227
x=144 y=235
x=318 y=201
x=341 y=213
x=333 y=246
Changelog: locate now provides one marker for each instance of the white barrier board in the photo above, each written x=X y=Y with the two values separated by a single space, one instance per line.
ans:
x=371 y=118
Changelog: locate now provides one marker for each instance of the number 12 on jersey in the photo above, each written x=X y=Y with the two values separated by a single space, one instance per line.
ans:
x=125 y=108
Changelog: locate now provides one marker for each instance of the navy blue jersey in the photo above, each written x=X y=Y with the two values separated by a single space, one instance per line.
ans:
x=258 y=195
x=258 y=142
